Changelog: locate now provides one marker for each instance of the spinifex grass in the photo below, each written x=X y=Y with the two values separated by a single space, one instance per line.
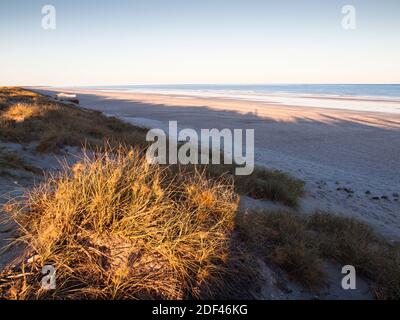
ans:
x=300 y=243
x=115 y=227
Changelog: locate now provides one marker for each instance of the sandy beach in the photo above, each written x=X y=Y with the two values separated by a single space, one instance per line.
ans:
x=348 y=159
x=219 y=151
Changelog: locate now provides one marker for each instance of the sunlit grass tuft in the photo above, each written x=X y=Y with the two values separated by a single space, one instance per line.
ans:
x=115 y=227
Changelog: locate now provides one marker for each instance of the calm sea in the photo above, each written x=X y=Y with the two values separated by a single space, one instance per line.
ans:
x=364 y=97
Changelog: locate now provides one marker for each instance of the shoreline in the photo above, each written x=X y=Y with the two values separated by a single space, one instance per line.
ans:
x=269 y=109
x=362 y=103
x=346 y=157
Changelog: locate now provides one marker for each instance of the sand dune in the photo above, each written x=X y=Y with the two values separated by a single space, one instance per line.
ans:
x=348 y=158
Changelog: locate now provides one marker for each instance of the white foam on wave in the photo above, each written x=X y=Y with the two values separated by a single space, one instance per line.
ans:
x=330 y=101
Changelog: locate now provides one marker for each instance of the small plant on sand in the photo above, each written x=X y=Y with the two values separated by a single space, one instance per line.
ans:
x=282 y=238
x=299 y=243
x=272 y=185
x=115 y=227
x=265 y=184
x=349 y=241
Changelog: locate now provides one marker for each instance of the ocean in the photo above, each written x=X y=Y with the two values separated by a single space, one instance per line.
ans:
x=361 y=97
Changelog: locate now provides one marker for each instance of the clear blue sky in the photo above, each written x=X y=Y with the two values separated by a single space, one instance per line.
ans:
x=199 y=41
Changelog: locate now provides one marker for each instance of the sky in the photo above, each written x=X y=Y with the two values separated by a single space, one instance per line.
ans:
x=120 y=42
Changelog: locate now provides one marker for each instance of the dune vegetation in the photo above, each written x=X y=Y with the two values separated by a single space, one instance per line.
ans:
x=299 y=244
x=29 y=117
x=115 y=227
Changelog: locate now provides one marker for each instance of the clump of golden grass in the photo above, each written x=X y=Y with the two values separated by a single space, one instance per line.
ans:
x=115 y=227
x=299 y=243
x=18 y=112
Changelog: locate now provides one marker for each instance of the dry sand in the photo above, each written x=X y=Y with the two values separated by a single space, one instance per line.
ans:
x=348 y=159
